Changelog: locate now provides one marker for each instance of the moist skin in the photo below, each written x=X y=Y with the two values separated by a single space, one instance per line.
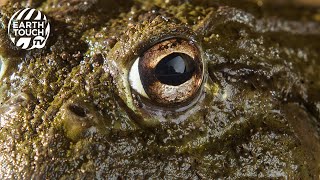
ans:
x=67 y=111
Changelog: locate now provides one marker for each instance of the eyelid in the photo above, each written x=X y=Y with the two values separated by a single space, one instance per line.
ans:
x=135 y=80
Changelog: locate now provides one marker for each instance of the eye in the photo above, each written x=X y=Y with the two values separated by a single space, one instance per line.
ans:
x=169 y=73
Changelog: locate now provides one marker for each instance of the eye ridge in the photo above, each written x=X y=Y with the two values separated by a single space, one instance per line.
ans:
x=169 y=45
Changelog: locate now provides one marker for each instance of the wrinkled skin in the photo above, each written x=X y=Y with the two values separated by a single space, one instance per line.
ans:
x=67 y=111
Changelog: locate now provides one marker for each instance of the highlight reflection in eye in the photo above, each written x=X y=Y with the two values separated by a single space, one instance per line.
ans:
x=175 y=69
x=169 y=73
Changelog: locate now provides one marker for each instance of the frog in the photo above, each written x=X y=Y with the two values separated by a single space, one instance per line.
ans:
x=89 y=105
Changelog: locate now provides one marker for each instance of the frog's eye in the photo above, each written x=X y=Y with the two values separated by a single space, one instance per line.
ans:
x=170 y=72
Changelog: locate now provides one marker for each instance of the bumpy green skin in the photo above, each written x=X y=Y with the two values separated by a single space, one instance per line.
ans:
x=67 y=111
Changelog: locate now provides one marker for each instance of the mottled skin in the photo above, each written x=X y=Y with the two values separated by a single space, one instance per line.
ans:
x=67 y=111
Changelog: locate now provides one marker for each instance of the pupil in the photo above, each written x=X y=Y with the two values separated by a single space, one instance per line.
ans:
x=175 y=69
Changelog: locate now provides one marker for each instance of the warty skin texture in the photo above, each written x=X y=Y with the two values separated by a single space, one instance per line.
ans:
x=67 y=111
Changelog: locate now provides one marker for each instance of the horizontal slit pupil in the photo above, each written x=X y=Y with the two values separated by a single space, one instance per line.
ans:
x=175 y=69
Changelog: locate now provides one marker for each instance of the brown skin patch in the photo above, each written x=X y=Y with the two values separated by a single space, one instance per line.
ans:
x=3 y=2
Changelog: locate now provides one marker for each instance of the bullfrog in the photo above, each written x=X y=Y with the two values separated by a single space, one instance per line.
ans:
x=172 y=89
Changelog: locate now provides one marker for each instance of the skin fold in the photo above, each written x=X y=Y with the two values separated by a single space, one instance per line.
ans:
x=68 y=112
